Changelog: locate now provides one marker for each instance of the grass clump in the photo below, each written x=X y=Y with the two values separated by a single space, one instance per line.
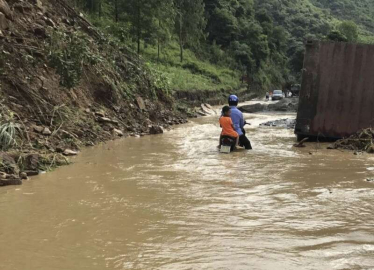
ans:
x=9 y=130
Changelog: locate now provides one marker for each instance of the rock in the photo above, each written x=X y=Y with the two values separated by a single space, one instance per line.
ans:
x=40 y=31
x=5 y=9
x=100 y=114
x=69 y=152
x=258 y=107
x=38 y=129
x=88 y=110
x=199 y=113
x=285 y=105
x=331 y=147
x=23 y=7
x=49 y=22
x=37 y=3
x=47 y=132
x=140 y=103
x=89 y=143
x=104 y=119
x=3 y=175
x=117 y=132
x=10 y=182
x=4 y=24
x=31 y=172
x=67 y=22
x=370 y=149
x=107 y=120
x=9 y=164
x=23 y=176
x=156 y=130
x=207 y=109
x=282 y=123
x=278 y=108
x=1 y=35
x=370 y=180
x=32 y=162
x=208 y=106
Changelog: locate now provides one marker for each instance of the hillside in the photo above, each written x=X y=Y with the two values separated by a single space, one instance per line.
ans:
x=362 y=11
x=64 y=86
x=213 y=44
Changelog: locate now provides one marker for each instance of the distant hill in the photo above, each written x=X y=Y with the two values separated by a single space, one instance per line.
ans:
x=303 y=18
x=360 y=11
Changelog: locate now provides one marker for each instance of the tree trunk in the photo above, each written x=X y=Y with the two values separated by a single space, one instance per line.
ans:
x=248 y=78
x=181 y=52
x=139 y=29
x=158 y=43
x=158 y=51
x=116 y=10
x=100 y=8
x=181 y=36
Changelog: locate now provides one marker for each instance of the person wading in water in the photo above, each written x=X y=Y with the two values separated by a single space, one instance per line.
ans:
x=238 y=121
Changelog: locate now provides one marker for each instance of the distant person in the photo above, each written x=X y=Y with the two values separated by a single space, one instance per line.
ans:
x=238 y=121
x=267 y=95
x=227 y=125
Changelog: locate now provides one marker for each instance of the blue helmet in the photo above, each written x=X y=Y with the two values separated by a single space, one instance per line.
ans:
x=233 y=99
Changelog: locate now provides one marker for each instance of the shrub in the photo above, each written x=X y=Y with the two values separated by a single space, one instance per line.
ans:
x=68 y=54
x=8 y=135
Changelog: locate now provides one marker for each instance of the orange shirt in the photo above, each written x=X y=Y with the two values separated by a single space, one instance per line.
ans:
x=227 y=127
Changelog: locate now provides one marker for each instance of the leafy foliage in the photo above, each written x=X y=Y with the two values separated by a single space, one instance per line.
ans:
x=68 y=54
x=8 y=135
x=262 y=40
x=350 y=30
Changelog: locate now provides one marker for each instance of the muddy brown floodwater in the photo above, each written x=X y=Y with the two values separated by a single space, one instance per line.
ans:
x=173 y=202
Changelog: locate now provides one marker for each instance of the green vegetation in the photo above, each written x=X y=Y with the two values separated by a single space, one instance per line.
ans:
x=219 y=44
x=68 y=54
x=8 y=135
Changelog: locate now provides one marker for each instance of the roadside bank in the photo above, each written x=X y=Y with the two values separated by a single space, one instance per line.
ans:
x=65 y=86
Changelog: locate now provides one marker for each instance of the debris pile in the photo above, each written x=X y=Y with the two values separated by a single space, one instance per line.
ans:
x=205 y=110
x=361 y=141
x=282 y=123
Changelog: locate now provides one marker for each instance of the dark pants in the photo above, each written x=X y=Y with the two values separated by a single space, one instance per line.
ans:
x=244 y=141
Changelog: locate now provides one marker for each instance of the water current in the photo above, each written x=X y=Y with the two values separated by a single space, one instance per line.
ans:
x=172 y=201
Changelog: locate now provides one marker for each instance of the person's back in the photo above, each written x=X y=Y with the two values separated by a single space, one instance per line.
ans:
x=237 y=119
x=238 y=122
x=227 y=127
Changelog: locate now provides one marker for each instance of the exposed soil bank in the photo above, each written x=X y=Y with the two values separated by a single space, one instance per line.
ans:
x=65 y=86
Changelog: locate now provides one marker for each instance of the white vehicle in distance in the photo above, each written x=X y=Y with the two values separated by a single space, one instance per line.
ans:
x=277 y=95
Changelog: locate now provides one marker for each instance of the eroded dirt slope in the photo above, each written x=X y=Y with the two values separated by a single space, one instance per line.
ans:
x=63 y=85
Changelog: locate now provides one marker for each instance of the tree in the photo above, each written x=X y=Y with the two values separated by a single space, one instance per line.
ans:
x=149 y=19
x=350 y=30
x=165 y=16
x=190 y=23
x=336 y=35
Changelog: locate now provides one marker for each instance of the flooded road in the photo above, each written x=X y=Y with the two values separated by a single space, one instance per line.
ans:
x=173 y=202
